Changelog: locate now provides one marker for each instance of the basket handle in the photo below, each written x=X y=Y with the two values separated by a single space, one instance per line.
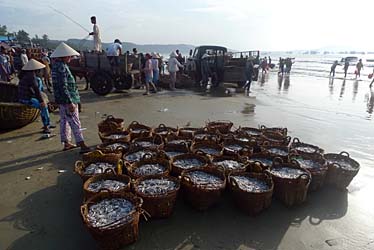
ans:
x=147 y=156
x=134 y=123
x=258 y=167
x=157 y=136
x=307 y=175
x=288 y=139
x=104 y=190
x=84 y=210
x=78 y=165
x=200 y=152
x=109 y=171
x=232 y=181
x=110 y=117
x=263 y=127
x=296 y=140
x=161 y=125
x=266 y=143
x=344 y=153
x=295 y=162
x=277 y=161
x=285 y=131
x=119 y=149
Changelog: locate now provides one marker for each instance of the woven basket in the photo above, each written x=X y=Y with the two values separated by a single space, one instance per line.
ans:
x=172 y=137
x=336 y=175
x=251 y=132
x=296 y=143
x=111 y=125
x=80 y=166
x=139 y=130
x=205 y=135
x=149 y=159
x=122 y=178
x=280 y=130
x=16 y=115
x=246 y=150
x=158 y=205
x=237 y=158
x=121 y=234
x=177 y=171
x=122 y=149
x=189 y=132
x=163 y=130
x=156 y=141
x=275 y=139
x=134 y=149
x=98 y=156
x=251 y=203
x=106 y=139
x=318 y=174
x=264 y=158
x=268 y=149
x=197 y=147
x=199 y=196
x=291 y=191
x=223 y=127
x=182 y=148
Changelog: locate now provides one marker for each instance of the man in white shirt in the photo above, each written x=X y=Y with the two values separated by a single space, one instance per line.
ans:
x=96 y=35
x=24 y=58
x=113 y=53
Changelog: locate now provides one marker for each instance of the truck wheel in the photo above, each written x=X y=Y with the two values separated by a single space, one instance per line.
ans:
x=124 y=82
x=101 y=83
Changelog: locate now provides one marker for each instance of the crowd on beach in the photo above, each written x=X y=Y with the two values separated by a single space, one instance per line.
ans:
x=359 y=68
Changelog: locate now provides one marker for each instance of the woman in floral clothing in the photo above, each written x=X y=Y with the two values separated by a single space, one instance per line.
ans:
x=67 y=97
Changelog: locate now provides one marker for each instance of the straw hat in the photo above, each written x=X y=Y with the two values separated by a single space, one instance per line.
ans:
x=173 y=54
x=33 y=64
x=64 y=50
x=155 y=55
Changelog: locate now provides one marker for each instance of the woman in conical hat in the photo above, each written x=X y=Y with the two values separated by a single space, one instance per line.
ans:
x=67 y=97
x=30 y=91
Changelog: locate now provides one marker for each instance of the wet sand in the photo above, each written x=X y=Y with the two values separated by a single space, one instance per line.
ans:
x=43 y=212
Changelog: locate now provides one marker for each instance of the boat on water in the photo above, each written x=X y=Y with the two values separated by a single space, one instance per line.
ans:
x=351 y=59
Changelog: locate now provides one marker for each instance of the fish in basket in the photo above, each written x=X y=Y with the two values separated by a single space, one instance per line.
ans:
x=230 y=163
x=149 y=165
x=187 y=161
x=252 y=192
x=159 y=194
x=302 y=148
x=153 y=142
x=122 y=136
x=282 y=131
x=291 y=182
x=202 y=187
x=163 y=130
x=251 y=132
x=207 y=148
x=223 y=127
x=189 y=132
x=88 y=169
x=276 y=151
x=112 y=219
x=137 y=153
x=172 y=150
x=264 y=158
x=114 y=147
x=111 y=125
x=341 y=169
x=98 y=156
x=139 y=130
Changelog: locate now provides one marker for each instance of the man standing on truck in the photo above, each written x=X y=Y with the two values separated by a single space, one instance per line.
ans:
x=205 y=69
x=96 y=35
x=113 y=53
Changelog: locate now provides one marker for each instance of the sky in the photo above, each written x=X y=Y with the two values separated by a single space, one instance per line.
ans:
x=272 y=25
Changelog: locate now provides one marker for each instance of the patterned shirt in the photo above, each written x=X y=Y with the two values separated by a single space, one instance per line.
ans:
x=64 y=87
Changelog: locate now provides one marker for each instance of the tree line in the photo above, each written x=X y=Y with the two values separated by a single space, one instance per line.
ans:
x=23 y=37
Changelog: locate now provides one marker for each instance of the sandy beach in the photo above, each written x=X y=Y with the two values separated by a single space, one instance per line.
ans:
x=42 y=213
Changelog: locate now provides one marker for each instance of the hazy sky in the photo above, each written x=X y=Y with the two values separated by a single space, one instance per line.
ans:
x=237 y=24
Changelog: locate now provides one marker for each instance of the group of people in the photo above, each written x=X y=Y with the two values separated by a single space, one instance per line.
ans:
x=359 y=67
x=7 y=68
x=285 y=65
x=66 y=96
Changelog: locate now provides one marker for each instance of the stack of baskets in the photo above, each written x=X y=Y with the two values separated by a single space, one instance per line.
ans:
x=149 y=166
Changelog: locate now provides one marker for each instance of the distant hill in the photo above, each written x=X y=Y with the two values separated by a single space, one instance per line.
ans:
x=165 y=49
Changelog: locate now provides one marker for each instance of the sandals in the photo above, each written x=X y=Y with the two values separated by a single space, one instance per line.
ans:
x=69 y=147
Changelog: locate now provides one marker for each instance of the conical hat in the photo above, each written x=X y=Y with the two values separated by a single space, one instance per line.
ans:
x=33 y=64
x=64 y=50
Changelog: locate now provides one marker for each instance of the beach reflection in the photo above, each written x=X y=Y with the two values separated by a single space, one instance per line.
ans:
x=355 y=90
x=331 y=86
x=370 y=103
x=342 y=89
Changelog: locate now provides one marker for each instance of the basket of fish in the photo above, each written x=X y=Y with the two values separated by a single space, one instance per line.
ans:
x=264 y=158
x=184 y=162
x=88 y=169
x=252 y=192
x=112 y=219
x=189 y=132
x=276 y=151
x=280 y=130
x=97 y=156
x=153 y=142
x=236 y=147
x=139 y=130
x=230 y=163
x=178 y=139
x=341 y=169
x=302 y=148
x=208 y=148
x=163 y=130
x=111 y=125
x=251 y=132
x=223 y=127
x=205 y=135
x=114 y=147
x=137 y=153
x=291 y=182
x=149 y=165
x=203 y=187
x=158 y=193
x=106 y=183
x=316 y=165
x=275 y=139
x=172 y=150
x=122 y=136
